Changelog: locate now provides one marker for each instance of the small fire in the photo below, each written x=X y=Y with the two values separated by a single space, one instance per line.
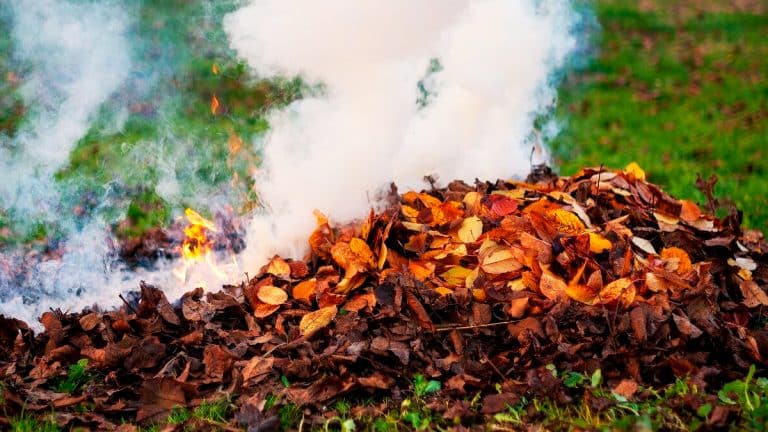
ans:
x=197 y=247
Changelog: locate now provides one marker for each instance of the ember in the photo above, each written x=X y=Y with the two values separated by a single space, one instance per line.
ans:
x=483 y=287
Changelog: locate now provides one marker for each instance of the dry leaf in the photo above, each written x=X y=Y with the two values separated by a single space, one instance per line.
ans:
x=272 y=295
x=552 y=286
x=456 y=275
x=676 y=260
x=314 y=321
x=471 y=229
x=305 y=290
x=279 y=267
x=634 y=171
x=499 y=260
x=598 y=243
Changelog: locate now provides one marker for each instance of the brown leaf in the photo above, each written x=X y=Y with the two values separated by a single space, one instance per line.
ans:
x=217 y=360
x=257 y=367
x=158 y=397
x=90 y=321
x=496 y=403
x=753 y=295
x=626 y=388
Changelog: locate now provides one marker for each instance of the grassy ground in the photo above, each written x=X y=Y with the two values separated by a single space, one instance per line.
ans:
x=680 y=87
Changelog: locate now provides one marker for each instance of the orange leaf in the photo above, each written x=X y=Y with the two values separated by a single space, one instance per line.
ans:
x=621 y=289
x=314 y=321
x=367 y=300
x=272 y=295
x=421 y=269
x=552 y=286
x=689 y=211
x=305 y=290
x=676 y=260
x=263 y=310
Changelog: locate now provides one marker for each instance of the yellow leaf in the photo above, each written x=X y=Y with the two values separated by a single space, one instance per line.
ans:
x=443 y=291
x=279 y=267
x=272 y=295
x=456 y=275
x=621 y=289
x=567 y=222
x=215 y=69
x=314 y=321
x=598 y=243
x=579 y=292
x=361 y=249
x=634 y=170
x=498 y=260
x=382 y=256
x=471 y=229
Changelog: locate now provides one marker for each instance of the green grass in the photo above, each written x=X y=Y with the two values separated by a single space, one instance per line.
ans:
x=680 y=95
x=77 y=376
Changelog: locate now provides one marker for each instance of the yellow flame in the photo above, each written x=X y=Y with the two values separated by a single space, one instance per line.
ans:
x=197 y=247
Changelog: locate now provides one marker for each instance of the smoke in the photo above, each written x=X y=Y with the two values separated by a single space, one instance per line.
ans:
x=78 y=56
x=394 y=91
x=440 y=87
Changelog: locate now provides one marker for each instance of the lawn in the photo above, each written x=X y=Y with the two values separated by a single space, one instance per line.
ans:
x=680 y=88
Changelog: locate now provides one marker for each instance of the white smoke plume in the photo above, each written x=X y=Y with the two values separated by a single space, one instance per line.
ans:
x=76 y=55
x=334 y=152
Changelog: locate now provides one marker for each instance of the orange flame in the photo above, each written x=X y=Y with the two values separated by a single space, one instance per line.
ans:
x=214 y=105
x=197 y=246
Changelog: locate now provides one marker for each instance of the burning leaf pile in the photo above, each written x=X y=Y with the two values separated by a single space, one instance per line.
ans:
x=478 y=287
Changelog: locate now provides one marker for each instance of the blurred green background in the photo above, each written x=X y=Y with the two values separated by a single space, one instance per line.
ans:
x=679 y=87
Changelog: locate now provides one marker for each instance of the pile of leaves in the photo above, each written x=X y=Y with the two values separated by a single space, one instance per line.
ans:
x=484 y=289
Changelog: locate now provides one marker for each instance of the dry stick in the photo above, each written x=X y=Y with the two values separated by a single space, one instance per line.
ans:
x=475 y=326
x=128 y=305
x=493 y=366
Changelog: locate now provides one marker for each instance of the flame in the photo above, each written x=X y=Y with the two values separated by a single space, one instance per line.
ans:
x=214 y=105
x=197 y=247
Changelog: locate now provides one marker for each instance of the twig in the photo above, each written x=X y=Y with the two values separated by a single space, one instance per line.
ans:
x=128 y=305
x=475 y=326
